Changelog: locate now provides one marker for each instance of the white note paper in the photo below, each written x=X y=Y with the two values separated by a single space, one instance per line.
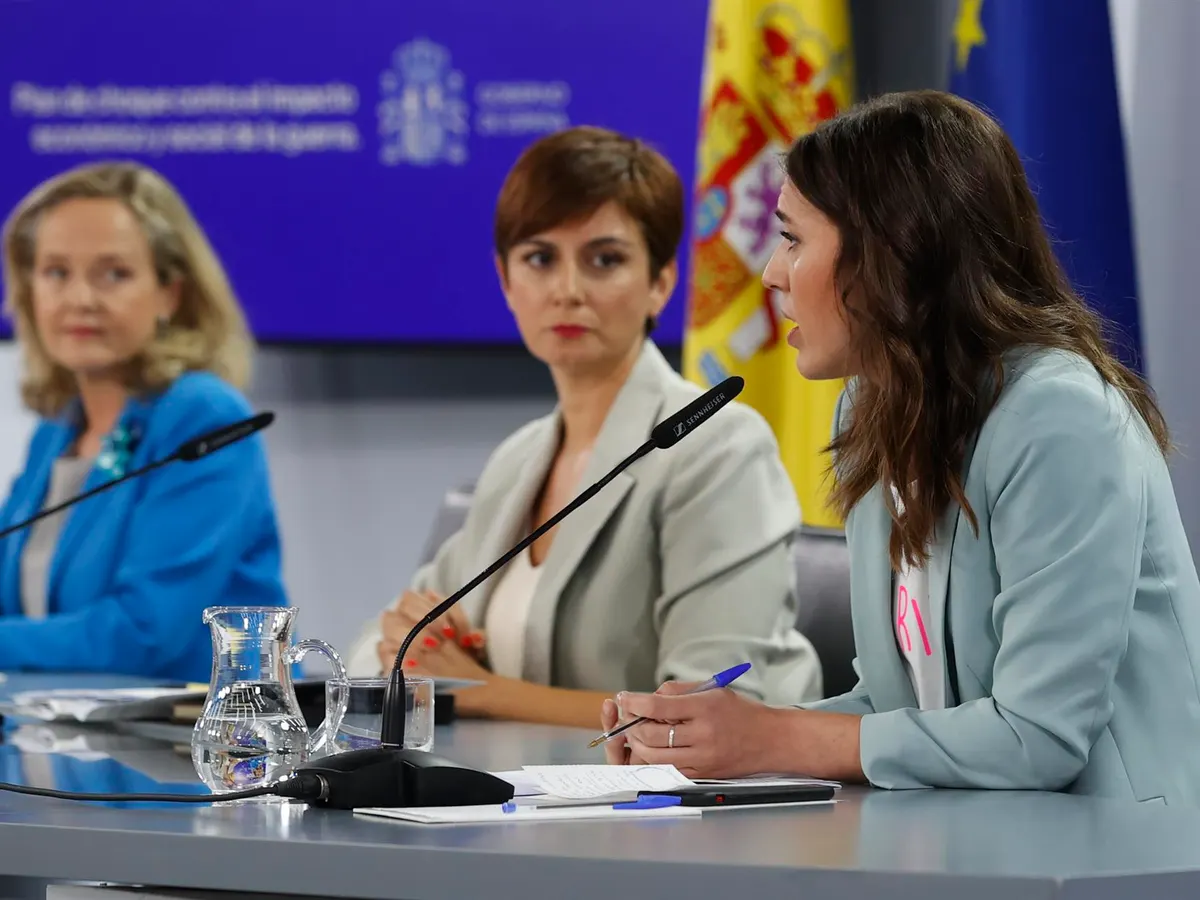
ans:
x=524 y=784
x=475 y=815
x=588 y=782
x=106 y=704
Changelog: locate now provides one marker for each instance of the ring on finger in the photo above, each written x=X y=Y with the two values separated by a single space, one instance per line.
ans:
x=660 y=735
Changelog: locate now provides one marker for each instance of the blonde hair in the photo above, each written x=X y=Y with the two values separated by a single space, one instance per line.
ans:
x=208 y=331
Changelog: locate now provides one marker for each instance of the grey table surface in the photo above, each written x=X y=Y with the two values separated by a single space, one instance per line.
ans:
x=927 y=844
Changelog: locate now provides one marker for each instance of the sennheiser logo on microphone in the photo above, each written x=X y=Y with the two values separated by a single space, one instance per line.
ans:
x=699 y=414
x=671 y=431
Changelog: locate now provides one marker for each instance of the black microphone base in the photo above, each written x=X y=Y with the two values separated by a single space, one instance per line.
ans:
x=391 y=777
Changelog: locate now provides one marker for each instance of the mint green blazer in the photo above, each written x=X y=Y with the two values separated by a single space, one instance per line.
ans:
x=1070 y=622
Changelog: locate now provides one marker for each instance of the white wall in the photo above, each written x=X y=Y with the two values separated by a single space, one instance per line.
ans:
x=15 y=422
x=359 y=479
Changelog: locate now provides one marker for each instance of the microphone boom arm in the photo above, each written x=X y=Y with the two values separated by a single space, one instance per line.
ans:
x=189 y=451
x=394 y=699
x=71 y=501
x=389 y=775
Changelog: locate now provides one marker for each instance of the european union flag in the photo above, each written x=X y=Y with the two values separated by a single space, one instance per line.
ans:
x=1044 y=69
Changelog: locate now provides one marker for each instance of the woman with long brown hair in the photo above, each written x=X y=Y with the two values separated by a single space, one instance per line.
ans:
x=1026 y=608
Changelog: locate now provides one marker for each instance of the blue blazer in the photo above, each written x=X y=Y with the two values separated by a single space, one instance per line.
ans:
x=1070 y=623
x=136 y=565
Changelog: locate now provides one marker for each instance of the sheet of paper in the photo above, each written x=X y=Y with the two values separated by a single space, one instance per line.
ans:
x=101 y=695
x=587 y=782
x=87 y=705
x=474 y=815
x=524 y=784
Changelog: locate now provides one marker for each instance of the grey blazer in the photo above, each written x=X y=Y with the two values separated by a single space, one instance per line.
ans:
x=677 y=569
x=1072 y=619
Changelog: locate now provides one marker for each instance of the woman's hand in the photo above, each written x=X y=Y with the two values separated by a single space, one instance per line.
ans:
x=443 y=658
x=717 y=734
x=616 y=751
x=397 y=622
x=721 y=734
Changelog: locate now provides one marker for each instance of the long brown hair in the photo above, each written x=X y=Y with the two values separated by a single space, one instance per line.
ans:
x=944 y=268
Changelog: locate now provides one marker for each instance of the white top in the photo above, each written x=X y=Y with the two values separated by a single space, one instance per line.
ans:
x=507 y=613
x=915 y=639
x=910 y=603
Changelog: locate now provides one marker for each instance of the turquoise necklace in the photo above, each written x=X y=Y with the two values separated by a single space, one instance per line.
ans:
x=117 y=449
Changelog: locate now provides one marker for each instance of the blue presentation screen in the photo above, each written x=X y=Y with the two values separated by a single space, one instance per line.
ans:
x=344 y=157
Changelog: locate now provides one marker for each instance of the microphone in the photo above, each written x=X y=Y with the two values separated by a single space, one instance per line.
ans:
x=669 y=432
x=390 y=776
x=189 y=451
x=220 y=438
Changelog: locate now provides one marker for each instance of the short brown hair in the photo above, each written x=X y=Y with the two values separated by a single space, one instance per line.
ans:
x=568 y=175
x=944 y=268
x=207 y=333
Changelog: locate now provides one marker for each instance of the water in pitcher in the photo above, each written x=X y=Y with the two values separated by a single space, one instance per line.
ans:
x=252 y=732
x=249 y=737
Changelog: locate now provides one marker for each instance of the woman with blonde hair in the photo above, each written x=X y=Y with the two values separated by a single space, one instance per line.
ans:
x=132 y=342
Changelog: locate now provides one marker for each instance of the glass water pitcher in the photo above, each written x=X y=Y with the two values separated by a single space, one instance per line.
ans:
x=252 y=731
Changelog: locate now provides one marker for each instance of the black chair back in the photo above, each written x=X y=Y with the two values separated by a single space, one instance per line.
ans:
x=823 y=587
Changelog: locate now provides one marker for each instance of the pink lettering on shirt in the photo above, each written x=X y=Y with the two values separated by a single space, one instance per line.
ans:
x=903 y=602
x=901 y=616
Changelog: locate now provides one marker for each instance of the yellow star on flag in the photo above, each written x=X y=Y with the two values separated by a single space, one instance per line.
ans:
x=968 y=31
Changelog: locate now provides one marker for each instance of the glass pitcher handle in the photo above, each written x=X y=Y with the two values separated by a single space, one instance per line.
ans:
x=323 y=737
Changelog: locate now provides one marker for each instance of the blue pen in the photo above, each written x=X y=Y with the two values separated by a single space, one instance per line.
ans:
x=720 y=680
x=650 y=801
x=646 y=801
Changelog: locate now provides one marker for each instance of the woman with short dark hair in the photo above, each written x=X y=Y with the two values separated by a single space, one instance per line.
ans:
x=679 y=568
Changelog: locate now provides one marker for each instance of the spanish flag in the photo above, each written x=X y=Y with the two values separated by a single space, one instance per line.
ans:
x=773 y=70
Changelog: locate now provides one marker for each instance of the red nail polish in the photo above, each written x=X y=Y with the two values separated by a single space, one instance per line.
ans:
x=430 y=642
x=477 y=640
x=411 y=663
x=449 y=632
